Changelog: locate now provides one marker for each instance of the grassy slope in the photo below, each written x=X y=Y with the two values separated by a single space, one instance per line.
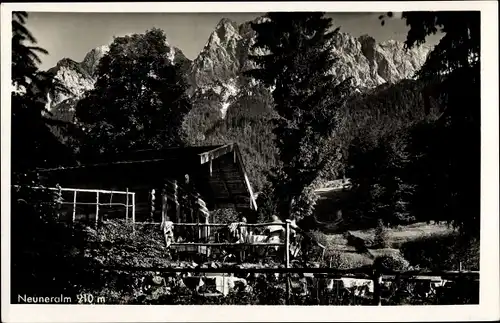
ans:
x=338 y=245
x=427 y=245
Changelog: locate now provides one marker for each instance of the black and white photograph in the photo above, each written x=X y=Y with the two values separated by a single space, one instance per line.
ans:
x=303 y=158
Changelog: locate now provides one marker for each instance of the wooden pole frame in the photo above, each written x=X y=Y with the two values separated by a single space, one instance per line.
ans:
x=133 y=211
x=126 y=207
x=287 y=243
x=73 y=217
x=287 y=259
x=164 y=209
x=65 y=189
x=97 y=208
x=97 y=203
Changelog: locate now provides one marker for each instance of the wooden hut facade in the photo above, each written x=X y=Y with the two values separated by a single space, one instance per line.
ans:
x=184 y=184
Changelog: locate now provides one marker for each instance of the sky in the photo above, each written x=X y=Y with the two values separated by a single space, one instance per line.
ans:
x=72 y=35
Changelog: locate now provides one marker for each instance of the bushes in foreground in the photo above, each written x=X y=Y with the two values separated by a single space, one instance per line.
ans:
x=58 y=259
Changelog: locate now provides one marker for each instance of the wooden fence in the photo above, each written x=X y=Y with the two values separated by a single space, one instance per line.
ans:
x=376 y=276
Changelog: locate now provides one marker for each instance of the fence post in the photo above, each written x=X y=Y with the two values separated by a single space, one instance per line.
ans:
x=287 y=243
x=97 y=208
x=164 y=206
x=207 y=228
x=198 y=228
x=126 y=208
x=377 y=288
x=133 y=211
x=73 y=217
x=287 y=259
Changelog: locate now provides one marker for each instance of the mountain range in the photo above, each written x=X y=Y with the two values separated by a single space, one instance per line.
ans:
x=218 y=69
x=228 y=106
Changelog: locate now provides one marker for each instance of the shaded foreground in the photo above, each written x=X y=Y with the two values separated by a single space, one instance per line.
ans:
x=117 y=266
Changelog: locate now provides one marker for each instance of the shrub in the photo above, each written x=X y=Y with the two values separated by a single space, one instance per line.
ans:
x=391 y=262
x=443 y=252
x=320 y=237
x=345 y=260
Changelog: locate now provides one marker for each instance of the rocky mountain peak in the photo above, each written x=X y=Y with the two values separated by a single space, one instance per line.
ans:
x=220 y=65
x=219 y=59
x=226 y=33
x=93 y=57
x=226 y=24
x=371 y=63
x=366 y=40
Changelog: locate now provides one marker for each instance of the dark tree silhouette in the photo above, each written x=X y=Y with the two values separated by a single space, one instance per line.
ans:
x=36 y=248
x=305 y=99
x=139 y=100
x=33 y=145
x=453 y=156
x=446 y=154
x=24 y=58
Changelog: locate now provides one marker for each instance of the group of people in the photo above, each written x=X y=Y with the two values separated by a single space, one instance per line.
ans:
x=273 y=233
x=239 y=232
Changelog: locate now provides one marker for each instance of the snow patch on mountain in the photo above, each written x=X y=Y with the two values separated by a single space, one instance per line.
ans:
x=230 y=92
x=223 y=110
x=171 y=55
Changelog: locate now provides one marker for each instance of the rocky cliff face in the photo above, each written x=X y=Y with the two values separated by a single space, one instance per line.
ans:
x=220 y=58
x=372 y=64
x=225 y=56
x=221 y=63
x=219 y=67
x=91 y=60
x=75 y=76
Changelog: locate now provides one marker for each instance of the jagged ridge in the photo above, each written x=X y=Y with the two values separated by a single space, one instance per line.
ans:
x=220 y=64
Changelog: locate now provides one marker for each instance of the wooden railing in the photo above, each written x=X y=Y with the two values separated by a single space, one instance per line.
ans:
x=286 y=244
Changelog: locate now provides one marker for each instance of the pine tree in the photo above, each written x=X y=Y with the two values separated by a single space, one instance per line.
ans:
x=24 y=57
x=139 y=100
x=306 y=97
